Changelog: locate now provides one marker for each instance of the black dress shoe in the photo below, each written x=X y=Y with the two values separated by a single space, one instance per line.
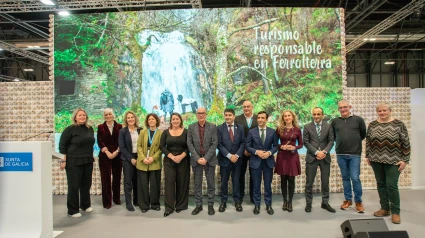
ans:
x=130 y=209
x=211 y=210
x=117 y=202
x=166 y=214
x=285 y=206
x=136 y=204
x=290 y=207
x=144 y=210
x=178 y=210
x=328 y=208
x=238 y=206
x=269 y=210
x=257 y=210
x=308 y=207
x=222 y=207
x=156 y=208
x=197 y=210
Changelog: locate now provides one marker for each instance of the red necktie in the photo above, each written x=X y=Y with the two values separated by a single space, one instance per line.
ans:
x=231 y=133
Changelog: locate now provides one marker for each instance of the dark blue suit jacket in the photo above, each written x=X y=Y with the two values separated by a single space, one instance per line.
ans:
x=253 y=143
x=226 y=146
x=125 y=144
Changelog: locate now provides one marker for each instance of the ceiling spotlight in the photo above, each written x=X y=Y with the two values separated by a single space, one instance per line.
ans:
x=64 y=13
x=28 y=70
x=47 y=2
x=16 y=80
x=389 y=62
x=372 y=39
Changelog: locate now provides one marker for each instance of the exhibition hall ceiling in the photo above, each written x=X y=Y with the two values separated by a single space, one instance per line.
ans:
x=24 y=24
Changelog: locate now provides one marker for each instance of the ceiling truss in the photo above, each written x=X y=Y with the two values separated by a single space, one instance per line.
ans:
x=36 y=6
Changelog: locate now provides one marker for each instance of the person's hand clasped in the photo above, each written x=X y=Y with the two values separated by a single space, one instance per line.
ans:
x=202 y=161
x=109 y=154
x=234 y=158
x=320 y=155
x=133 y=162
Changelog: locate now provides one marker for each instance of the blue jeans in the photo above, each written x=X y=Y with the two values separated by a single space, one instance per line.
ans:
x=350 y=171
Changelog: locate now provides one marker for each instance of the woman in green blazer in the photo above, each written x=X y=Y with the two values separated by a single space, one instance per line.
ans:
x=149 y=164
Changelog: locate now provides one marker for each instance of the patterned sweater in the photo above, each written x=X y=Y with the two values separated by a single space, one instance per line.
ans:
x=387 y=143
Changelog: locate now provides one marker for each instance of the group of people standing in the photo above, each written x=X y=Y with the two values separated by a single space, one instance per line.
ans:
x=243 y=142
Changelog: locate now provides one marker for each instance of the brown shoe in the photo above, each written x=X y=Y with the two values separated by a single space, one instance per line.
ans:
x=359 y=207
x=346 y=204
x=382 y=213
x=396 y=218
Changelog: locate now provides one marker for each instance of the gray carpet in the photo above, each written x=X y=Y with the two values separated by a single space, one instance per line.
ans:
x=118 y=222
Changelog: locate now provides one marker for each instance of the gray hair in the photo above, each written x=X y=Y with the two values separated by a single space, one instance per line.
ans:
x=344 y=102
x=383 y=104
x=107 y=110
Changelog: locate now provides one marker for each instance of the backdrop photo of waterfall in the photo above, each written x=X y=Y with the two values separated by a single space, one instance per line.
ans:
x=179 y=60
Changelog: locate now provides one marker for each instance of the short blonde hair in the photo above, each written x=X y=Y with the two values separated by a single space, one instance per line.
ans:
x=383 y=104
x=106 y=110
x=74 y=115
x=136 y=118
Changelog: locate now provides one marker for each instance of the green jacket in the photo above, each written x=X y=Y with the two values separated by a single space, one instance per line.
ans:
x=155 y=152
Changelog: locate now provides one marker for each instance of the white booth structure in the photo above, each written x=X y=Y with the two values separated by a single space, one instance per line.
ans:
x=26 y=189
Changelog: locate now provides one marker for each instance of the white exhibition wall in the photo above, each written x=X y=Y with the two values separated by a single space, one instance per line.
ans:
x=418 y=137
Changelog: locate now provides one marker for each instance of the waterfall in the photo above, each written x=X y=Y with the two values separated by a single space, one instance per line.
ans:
x=169 y=62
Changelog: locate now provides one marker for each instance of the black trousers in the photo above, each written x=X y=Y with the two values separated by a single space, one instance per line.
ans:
x=148 y=188
x=245 y=161
x=177 y=177
x=79 y=182
x=130 y=182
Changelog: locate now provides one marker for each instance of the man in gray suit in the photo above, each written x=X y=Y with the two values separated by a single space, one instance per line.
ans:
x=318 y=138
x=202 y=143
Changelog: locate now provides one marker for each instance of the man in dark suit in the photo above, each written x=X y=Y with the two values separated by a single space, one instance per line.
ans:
x=231 y=145
x=262 y=144
x=202 y=143
x=248 y=120
x=318 y=138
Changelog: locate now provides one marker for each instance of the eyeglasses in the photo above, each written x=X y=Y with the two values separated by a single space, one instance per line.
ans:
x=343 y=107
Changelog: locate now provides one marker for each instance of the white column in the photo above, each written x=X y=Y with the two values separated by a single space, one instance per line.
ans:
x=26 y=196
x=418 y=137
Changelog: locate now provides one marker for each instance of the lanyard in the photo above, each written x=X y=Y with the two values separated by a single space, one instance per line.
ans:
x=250 y=122
x=149 y=136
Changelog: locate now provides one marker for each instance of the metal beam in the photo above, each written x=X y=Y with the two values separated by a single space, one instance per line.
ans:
x=8 y=6
x=25 y=25
x=369 y=9
x=9 y=78
x=30 y=55
x=387 y=23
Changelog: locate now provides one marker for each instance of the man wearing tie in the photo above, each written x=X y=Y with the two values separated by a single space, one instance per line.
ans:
x=318 y=139
x=262 y=143
x=231 y=145
x=202 y=144
x=248 y=120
